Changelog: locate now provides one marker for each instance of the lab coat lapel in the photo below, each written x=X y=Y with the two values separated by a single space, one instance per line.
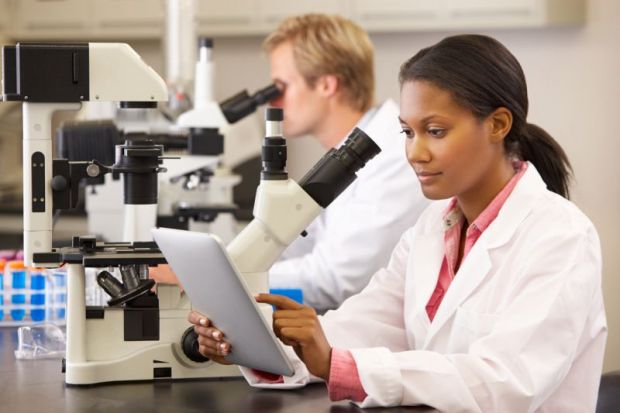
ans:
x=425 y=263
x=477 y=265
x=473 y=270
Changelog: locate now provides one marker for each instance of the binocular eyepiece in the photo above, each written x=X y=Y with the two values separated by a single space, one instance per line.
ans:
x=242 y=104
x=333 y=173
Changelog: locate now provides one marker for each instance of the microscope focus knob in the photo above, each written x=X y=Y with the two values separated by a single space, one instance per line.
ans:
x=59 y=183
x=189 y=345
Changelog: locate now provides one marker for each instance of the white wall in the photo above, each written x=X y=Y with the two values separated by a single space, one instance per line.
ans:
x=574 y=88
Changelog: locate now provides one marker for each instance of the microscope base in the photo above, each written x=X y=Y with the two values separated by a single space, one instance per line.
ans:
x=159 y=361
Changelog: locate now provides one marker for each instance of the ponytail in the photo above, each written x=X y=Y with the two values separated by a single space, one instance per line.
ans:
x=534 y=144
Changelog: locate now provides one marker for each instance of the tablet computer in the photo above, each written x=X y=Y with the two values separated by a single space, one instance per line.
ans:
x=217 y=290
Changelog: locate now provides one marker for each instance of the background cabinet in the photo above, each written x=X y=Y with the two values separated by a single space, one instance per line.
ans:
x=128 y=18
x=51 y=19
x=227 y=18
x=145 y=19
x=5 y=16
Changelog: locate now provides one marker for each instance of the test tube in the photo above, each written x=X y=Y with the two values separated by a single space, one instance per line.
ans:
x=2 y=264
x=18 y=274
x=37 y=294
x=60 y=293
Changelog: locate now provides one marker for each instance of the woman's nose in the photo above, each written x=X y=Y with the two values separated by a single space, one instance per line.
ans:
x=417 y=151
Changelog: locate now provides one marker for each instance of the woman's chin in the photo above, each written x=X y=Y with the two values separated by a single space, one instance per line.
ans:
x=433 y=194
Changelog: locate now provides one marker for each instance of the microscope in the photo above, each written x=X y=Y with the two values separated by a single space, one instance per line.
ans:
x=196 y=191
x=143 y=334
x=138 y=336
x=284 y=208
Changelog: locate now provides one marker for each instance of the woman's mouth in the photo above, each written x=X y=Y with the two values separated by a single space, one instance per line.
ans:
x=427 y=177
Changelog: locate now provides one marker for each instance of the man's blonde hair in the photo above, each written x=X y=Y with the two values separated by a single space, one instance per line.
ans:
x=330 y=45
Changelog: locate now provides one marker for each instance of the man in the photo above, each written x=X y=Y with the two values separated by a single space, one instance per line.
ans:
x=324 y=66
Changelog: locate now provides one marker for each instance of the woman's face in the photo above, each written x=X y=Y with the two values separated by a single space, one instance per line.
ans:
x=452 y=152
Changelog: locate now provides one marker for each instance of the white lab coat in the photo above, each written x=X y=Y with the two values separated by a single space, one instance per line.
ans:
x=355 y=235
x=522 y=327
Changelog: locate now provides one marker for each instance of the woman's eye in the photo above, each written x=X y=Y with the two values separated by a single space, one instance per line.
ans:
x=436 y=132
x=408 y=133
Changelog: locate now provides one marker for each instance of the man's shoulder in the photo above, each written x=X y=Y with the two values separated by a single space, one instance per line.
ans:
x=384 y=125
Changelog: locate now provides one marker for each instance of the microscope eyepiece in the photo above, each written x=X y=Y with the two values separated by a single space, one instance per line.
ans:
x=242 y=104
x=205 y=42
x=274 y=115
x=274 y=147
x=266 y=94
x=360 y=148
x=336 y=170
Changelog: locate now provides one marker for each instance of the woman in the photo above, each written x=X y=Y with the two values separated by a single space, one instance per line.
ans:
x=492 y=301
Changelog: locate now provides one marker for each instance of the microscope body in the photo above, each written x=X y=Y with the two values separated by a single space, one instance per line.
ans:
x=140 y=340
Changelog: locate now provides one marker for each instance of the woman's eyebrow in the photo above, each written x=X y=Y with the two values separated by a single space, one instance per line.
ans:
x=425 y=119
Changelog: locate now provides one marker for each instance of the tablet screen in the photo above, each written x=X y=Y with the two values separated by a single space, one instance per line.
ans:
x=217 y=290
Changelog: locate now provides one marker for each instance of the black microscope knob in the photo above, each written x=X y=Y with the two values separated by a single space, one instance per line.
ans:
x=59 y=183
x=189 y=345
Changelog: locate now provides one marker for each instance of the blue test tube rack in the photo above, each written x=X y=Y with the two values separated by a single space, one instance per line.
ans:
x=32 y=295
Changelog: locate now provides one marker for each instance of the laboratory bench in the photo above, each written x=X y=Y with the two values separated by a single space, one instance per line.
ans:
x=34 y=386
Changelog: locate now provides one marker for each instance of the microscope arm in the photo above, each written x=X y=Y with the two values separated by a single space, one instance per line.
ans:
x=282 y=212
x=37 y=172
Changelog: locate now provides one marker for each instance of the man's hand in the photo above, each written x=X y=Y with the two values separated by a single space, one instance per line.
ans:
x=163 y=274
x=298 y=326
x=211 y=341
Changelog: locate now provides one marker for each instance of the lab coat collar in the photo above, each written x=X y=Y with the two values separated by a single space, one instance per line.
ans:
x=516 y=208
x=368 y=122
x=518 y=205
x=477 y=264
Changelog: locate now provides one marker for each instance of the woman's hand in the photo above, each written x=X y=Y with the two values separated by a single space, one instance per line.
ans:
x=211 y=341
x=298 y=326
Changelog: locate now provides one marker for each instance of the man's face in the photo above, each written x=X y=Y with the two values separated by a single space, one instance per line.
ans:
x=304 y=106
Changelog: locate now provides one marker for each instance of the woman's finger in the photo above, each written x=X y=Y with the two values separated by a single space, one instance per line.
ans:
x=288 y=313
x=300 y=335
x=293 y=322
x=196 y=318
x=211 y=332
x=213 y=348
x=279 y=301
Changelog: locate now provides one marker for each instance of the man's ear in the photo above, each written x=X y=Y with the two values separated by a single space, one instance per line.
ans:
x=328 y=85
x=500 y=123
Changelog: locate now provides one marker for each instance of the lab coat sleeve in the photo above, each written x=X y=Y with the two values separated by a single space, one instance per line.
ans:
x=375 y=315
x=359 y=321
x=528 y=349
x=301 y=377
x=359 y=235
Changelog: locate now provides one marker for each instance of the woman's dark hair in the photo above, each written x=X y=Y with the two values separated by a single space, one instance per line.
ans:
x=482 y=75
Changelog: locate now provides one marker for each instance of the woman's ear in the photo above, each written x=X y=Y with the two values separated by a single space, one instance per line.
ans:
x=500 y=123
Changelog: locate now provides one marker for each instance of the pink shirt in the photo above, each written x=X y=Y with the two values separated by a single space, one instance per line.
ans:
x=453 y=223
x=344 y=381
